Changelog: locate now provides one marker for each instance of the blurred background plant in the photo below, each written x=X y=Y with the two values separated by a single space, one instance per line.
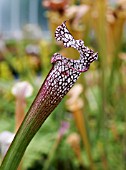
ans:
x=95 y=107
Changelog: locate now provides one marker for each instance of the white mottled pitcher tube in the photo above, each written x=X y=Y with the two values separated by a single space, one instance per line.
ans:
x=62 y=76
x=59 y=81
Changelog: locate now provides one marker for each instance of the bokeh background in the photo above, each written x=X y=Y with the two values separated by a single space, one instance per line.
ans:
x=87 y=131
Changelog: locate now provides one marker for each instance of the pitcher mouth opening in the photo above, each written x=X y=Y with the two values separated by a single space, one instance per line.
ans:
x=87 y=56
